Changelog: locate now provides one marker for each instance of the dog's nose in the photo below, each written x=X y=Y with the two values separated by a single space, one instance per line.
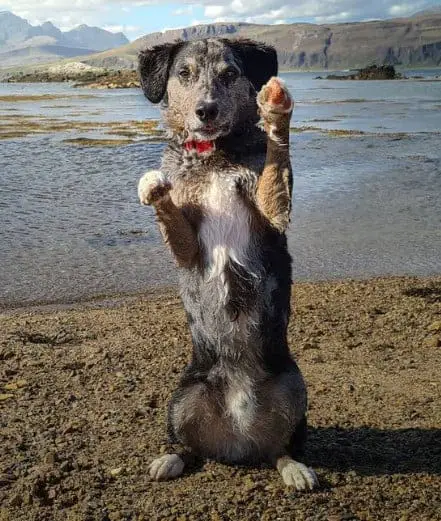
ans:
x=207 y=111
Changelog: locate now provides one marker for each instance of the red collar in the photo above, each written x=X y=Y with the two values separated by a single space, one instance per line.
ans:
x=200 y=147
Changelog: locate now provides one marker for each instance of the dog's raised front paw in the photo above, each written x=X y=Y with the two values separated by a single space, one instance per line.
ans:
x=274 y=98
x=153 y=186
x=295 y=474
x=168 y=466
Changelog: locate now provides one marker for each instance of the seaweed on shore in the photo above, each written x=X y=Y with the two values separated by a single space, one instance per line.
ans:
x=91 y=142
x=15 y=126
x=15 y=98
x=331 y=132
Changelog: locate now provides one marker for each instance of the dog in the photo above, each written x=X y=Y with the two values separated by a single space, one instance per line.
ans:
x=222 y=199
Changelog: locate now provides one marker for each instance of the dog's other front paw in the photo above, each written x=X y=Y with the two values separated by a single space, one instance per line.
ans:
x=298 y=475
x=166 y=467
x=153 y=186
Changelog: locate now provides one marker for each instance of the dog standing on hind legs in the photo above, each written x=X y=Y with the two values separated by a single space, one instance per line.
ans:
x=222 y=200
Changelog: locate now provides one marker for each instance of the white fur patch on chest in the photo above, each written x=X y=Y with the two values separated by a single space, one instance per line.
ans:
x=225 y=228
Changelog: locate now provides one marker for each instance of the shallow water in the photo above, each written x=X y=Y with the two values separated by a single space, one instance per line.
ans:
x=363 y=205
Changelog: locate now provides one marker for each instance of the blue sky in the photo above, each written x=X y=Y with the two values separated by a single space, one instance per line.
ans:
x=138 y=17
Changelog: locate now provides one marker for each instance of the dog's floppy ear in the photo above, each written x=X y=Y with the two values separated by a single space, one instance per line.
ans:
x=154 y=67
x=258 y=60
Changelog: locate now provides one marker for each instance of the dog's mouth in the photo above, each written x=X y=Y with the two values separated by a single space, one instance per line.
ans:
x=201 y=141
x=209 y=131
x=200 y=147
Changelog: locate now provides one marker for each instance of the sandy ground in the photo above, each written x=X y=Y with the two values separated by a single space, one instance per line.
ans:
x=84 y=392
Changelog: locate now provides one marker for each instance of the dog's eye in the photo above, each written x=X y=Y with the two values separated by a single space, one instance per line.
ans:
x=184 y=74
x=229 y=75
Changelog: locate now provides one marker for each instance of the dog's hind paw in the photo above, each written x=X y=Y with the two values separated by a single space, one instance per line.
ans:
x=166 y=467
x=295 y=474
x=153 y=186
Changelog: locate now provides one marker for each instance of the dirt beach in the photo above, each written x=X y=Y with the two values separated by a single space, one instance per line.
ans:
x=84 y=389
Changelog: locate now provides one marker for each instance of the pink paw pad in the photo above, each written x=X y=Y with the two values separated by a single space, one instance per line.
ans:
x=277 y=94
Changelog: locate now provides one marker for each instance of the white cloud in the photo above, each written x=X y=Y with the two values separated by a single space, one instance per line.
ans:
x=320 y=11
x=214 y=11
x=68 y=14
x=61 y=13
x=184 y=10
x=403 y=9
x=338 y=17
x=126 y=29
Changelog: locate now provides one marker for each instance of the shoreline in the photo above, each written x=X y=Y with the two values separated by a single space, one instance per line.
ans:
x=100 y=301
x=112 y=300
x=103 y=78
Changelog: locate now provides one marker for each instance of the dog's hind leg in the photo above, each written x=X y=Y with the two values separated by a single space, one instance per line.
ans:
x=293 y=472
x=153 y=189
x=296 y=446
x=274 y=187
x=171 y=465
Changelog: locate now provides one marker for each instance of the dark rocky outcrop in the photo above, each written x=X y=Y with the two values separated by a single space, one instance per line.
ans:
x=112 y=80
x=373 y=72
x=92 y=78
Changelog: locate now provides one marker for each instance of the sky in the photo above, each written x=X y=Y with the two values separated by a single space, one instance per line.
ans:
x=139 y=17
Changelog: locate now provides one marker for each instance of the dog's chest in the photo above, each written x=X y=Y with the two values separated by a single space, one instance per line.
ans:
x=225 y=227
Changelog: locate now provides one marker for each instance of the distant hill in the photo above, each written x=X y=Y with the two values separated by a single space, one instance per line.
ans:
x=410 y=42
x=430 y=11
x=22 y=43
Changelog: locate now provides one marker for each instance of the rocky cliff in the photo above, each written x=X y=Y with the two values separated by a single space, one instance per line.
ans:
x=408 y=42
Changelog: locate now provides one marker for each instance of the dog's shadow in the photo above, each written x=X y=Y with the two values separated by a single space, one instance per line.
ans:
x=370 y=451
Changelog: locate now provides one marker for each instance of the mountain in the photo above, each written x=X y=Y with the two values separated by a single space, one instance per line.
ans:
x=410 y=42
x=22 y=43
x=94 y=38
x=12 y=28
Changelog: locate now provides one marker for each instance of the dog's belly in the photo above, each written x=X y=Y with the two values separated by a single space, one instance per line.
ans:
x=209 y=425
x=233 y=422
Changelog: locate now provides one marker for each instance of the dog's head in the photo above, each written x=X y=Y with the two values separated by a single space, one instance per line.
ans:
x=208 y=87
